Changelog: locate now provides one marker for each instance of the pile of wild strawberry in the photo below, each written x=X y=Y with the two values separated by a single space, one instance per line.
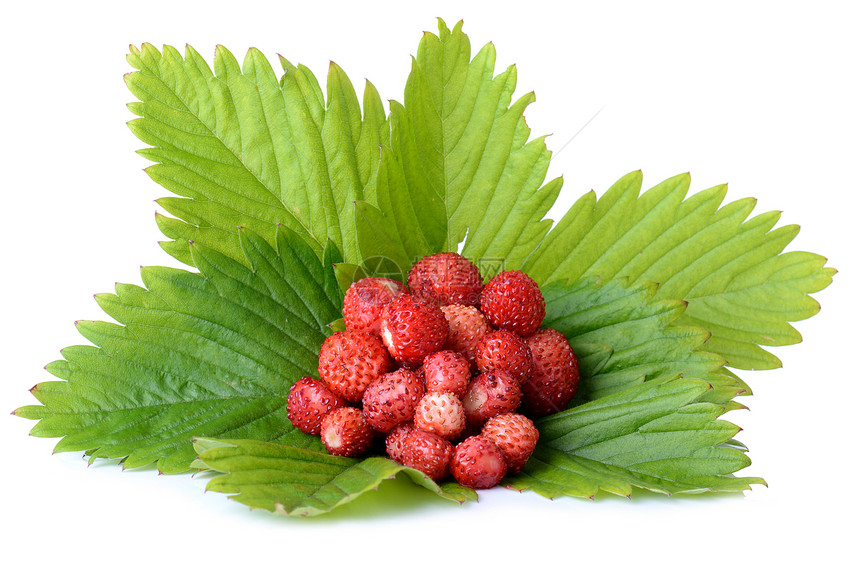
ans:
x=450 y=362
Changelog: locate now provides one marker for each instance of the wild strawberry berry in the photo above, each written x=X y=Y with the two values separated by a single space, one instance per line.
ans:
x=555 y=377
x=478 y=463
x=489 y=394
x=516 y=436
x=391 y=398
x=466 y=326
x=412 y=328
x=513 y=301
x=350 y=360
x=308 y=402
x=446 y=279
x=428 y=453
x=446 y=371
x=440 y=413
x=365 y=299
x=505 y=350
x=395 y=440
x=344 y=432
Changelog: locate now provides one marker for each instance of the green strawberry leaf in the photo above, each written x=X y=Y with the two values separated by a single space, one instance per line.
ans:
x=243 y=148
x=460 y=167
x=653 y=290
x=659 y=436
x=636 y=336
x=297 y=482
x=212 y=353
x=731 y=271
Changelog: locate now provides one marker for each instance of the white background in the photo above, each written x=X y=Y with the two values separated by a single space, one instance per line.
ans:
x=762 y=96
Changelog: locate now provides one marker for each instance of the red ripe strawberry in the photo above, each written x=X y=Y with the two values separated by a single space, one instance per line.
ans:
x=428 y=453
x=513 y=301
x=350 y=360
x=515 y=435
x=440 y=413
x=391 y=398
x=555 y=378
x=365 y=299
x=466 y=326
x=344 y=432
x=308 y=402
x=446 y=279
x=446 y=371
x=413 y=328
x=396 y=439
x=502 y=349
x=478 y=463
x=489 y=394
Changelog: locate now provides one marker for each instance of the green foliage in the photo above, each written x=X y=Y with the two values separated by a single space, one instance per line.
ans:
x=729 y=269
x=298 y=482
x=460 y=165
x=244 y=148
x=624 y=336
x=658 y=293
x=213 y=353
x=658 y=436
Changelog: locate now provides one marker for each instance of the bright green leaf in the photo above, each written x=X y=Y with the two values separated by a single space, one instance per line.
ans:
x=298 y=482
x=244 y=148
x=731 y=270
x=461 y=166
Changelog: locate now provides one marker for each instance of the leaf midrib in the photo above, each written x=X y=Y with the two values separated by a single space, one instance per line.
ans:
x=221 y=141
x=167 y=404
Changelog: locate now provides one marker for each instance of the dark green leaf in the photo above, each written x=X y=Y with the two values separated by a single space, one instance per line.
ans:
x=212 y=353
x=625 y=336
x=658 y=436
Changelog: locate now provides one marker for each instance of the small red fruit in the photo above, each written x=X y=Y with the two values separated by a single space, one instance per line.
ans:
x=350 y=360
x=513 y=301
x=505 y=350
x=428 y=453
x=344 y=432
x=489 y=394
x=365 y=299
x=440 y=413
x=466 y=326
x=412 y=328
x=395 y=440
x=516 y=436
x=555 y=377
x=446 y=279
x=308 y=402
x=478 y=463
x=447 y=371
x=391 y=398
